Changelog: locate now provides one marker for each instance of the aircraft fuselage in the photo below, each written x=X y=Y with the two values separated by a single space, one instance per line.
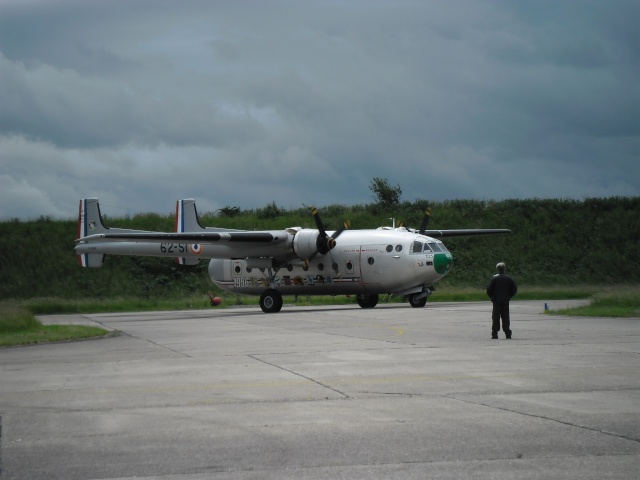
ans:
x=364 y=262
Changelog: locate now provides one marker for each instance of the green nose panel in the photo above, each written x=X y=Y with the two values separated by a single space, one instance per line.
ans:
x=442 y=262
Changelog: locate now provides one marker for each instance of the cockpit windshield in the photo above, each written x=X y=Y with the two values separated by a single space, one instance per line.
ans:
x=435 y=247
x=419 y=247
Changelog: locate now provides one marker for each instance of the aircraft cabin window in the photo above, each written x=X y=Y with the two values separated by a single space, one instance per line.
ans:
x=321 y=266
x=434 y=246
x=398 y=248
x=371 y=260
x=389 y=248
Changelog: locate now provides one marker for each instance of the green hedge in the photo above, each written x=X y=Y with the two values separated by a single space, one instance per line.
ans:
x=554 y=241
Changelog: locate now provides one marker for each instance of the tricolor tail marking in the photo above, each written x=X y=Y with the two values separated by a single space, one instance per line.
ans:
x=179 y=228
x=89 y=222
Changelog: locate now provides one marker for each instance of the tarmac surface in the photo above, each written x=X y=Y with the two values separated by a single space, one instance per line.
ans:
x=325 y=393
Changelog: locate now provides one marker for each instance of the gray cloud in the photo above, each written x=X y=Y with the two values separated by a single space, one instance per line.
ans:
x=244 y=103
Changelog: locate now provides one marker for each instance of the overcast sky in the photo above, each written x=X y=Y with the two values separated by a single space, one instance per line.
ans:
x=244 y=103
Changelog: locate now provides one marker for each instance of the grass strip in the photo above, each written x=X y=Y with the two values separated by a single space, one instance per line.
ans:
x=18 y=326
x=623 y=304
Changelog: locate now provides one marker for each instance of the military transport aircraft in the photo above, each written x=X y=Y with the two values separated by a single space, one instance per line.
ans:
x=295 y=261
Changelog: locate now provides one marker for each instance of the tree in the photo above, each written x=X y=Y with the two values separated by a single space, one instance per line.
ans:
x=385 y=195
x=229 y=211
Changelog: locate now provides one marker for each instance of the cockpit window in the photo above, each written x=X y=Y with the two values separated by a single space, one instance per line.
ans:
x=443 y=248
x=416 y=247
x=427 y=248
x=434 y=246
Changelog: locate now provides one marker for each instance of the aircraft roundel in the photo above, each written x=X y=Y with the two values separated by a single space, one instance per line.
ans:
x=196 y=248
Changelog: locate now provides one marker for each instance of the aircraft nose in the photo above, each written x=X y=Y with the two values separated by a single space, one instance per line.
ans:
x=442 y=262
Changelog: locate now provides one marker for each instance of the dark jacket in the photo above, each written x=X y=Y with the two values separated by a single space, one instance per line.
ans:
x=501 y=288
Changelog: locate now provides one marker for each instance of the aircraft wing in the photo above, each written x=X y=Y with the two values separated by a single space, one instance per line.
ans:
x=200 y=237
x=465 y=232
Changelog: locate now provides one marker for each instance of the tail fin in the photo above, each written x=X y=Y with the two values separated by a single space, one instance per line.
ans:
x=187 y=216
x=89 y=223
x=187 y=221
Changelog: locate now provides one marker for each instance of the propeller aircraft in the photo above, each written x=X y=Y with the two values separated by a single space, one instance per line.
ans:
x=295 y=261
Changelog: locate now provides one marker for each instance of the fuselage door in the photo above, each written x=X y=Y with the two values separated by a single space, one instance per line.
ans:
x=379 y=266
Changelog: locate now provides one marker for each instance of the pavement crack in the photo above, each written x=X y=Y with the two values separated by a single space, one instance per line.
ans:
x=543 y=417
x=299 y=375
x=157 y=344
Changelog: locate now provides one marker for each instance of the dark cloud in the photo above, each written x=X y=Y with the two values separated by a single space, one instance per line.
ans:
x=244 y=103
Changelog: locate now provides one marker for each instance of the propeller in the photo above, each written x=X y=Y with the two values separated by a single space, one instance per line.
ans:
x=425 y=220
x=324 y=242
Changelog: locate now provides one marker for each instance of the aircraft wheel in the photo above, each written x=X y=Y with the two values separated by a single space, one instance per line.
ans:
x=417 y=302
x=271 y=301
x=367 y=301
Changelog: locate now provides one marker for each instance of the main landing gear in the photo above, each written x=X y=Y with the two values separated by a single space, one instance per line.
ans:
x=271 y=301
x=367 y=300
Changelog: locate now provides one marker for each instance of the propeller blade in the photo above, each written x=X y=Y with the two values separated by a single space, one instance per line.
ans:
x=346 y=225
x=425 y=220
x=316 y=216
x=324 y=242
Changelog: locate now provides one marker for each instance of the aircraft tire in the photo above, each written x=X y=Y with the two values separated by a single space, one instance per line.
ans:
x=417 y=302
x=366 y=300
x=271 y=301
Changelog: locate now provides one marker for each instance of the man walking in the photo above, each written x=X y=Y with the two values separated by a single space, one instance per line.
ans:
x=501 y=288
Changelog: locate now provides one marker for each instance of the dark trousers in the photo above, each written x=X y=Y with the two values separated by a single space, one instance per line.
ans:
x=500 y=310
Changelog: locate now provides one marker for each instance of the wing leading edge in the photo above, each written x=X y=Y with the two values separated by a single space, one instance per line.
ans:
x=203 y=237
x=465 y=232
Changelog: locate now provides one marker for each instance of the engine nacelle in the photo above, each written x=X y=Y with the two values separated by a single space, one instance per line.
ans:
x=304 y=243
